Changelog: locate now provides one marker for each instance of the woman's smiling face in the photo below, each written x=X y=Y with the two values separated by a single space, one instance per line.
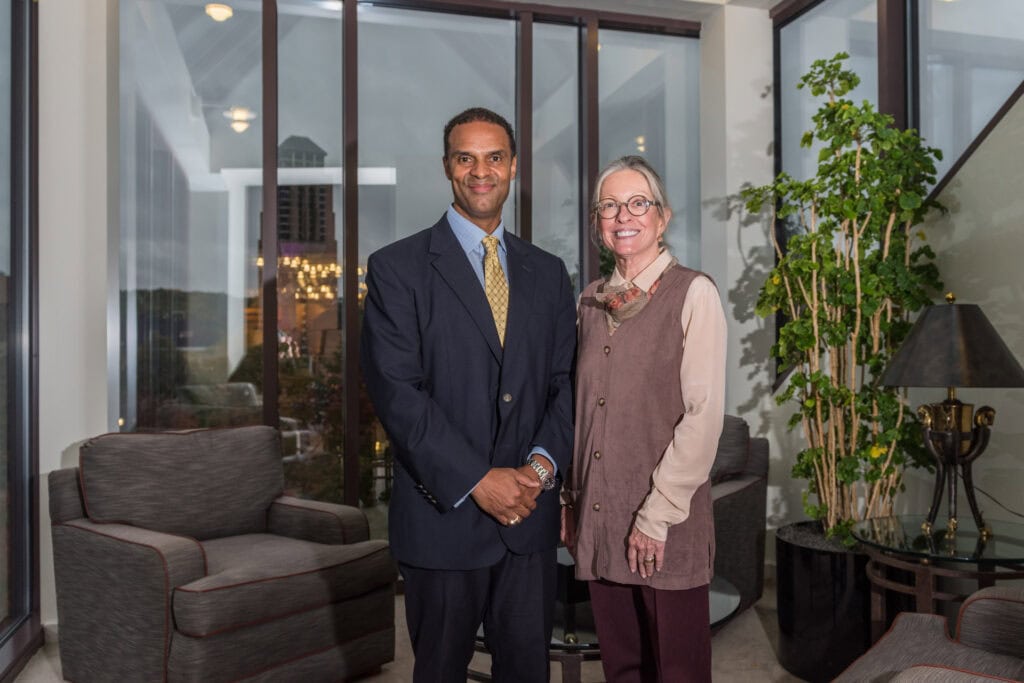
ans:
x=631 y=237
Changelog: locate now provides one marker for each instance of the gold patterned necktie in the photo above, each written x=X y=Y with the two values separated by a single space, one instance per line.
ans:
x=495 y=286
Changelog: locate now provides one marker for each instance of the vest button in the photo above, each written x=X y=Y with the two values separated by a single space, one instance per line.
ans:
x=597 y=507
x=607 y=350
x=600 y=401
x=507 y=398
x=597 y=455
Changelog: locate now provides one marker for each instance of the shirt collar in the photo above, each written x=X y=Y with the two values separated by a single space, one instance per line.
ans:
x=648 y=275
x=469 y=235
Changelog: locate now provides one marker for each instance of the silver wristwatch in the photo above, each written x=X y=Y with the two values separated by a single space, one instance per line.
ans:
x=547 y=480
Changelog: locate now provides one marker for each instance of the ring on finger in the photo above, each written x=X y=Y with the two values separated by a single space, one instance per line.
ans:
x=515 y=520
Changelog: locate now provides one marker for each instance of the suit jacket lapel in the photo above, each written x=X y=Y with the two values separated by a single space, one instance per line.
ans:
x=520 y=295
x=453 y=266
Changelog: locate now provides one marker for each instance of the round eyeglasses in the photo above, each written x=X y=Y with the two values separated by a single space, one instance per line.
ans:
x=637 y=205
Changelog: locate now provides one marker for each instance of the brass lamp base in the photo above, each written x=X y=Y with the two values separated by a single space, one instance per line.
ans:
x=955 y=443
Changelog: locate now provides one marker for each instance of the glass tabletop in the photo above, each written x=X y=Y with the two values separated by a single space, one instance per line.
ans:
x=904 y=535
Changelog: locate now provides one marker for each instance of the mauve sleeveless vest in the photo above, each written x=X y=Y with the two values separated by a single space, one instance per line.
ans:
x=628 y=402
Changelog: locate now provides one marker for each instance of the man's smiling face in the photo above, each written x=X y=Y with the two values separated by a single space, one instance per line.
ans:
x=480 y=166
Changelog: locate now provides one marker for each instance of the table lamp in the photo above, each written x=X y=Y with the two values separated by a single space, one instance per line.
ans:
x=952 y=346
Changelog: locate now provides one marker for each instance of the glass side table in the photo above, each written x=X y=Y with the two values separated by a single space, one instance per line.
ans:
x=574 y=639
x=899 y=543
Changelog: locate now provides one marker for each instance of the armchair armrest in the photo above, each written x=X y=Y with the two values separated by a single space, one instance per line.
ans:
x=992 y=619
x=312 y=520
x=115 y=582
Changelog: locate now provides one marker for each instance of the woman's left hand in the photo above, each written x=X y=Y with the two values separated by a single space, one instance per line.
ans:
x=644 y=553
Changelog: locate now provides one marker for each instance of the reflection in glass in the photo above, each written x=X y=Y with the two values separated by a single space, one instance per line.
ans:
x=849 y=26
x=190 y=211
x=971 y=59
x=650 y=105
x=416 y=71
x=556 y=166
x=309 y=257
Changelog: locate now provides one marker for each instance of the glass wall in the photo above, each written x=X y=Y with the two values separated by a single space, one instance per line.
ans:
x=309 y=249
x=834 y=26
x=970 y=60
x=649 y=91
x=556 y=151
x=191 y=202
x=416 y=71
x=193 y=245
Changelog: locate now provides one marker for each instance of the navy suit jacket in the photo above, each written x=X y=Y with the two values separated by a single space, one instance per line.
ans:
x=454 y=403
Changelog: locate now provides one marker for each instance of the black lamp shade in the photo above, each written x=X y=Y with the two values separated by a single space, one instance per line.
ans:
x=953 y=345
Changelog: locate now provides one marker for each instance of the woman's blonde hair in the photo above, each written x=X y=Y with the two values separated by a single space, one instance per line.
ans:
x=630 y=162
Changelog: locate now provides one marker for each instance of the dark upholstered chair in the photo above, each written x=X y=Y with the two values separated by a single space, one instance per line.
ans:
x=739 y=487
x=989 y=644
x=178 y=559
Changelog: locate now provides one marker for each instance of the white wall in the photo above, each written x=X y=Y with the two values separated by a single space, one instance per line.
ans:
x=73 y=260
x=737 y=150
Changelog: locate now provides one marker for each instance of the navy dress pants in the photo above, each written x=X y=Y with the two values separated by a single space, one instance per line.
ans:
x=513 y=599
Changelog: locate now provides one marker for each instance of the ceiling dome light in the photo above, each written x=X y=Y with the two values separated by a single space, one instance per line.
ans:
x=219 y=11
x=240 y=118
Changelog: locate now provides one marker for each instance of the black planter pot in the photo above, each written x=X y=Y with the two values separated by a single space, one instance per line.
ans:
x=824 y=603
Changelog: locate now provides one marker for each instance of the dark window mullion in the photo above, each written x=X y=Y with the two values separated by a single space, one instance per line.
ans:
x=892 y=60
x=268 y=227
x=350 y=189
x=524 y=114
x=589 y=147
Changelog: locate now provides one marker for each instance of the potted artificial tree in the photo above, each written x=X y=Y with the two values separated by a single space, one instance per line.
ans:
x=850 y=269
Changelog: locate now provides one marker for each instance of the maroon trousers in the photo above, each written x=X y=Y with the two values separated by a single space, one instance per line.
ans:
x=652 y=636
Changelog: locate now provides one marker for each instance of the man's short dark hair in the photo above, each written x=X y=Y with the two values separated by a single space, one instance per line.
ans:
x=479 y=114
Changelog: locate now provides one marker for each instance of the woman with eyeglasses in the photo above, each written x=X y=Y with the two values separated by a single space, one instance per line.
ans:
x=650 y=390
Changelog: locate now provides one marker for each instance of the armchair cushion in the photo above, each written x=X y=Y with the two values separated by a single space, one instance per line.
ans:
x=316 y=521
x=204 y=484
x=733 y=449
x=921 y=639
x=993 y=619
x=261 y=577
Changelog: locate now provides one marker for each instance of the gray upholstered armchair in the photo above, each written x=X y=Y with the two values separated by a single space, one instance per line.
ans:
x=989 y=644
x=739 y=487
x=177 y=559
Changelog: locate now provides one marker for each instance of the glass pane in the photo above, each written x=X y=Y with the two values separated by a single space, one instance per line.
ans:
x=834 y=26
x=309 y=233
x=556 y=154
x=443 y=63
x=11 y=554
x=191 y=200
x=971 y=60
x=649 y=92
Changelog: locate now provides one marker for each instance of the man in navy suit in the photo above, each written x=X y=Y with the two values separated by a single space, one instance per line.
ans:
x=479 y=415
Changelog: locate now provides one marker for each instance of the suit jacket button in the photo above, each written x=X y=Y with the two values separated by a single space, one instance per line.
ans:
x=507 y=398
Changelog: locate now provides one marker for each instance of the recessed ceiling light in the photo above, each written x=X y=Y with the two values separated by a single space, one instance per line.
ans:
x=218 y=11
x=240 y=118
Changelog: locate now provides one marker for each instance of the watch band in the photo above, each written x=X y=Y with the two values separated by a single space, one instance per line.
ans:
x=547 y=481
